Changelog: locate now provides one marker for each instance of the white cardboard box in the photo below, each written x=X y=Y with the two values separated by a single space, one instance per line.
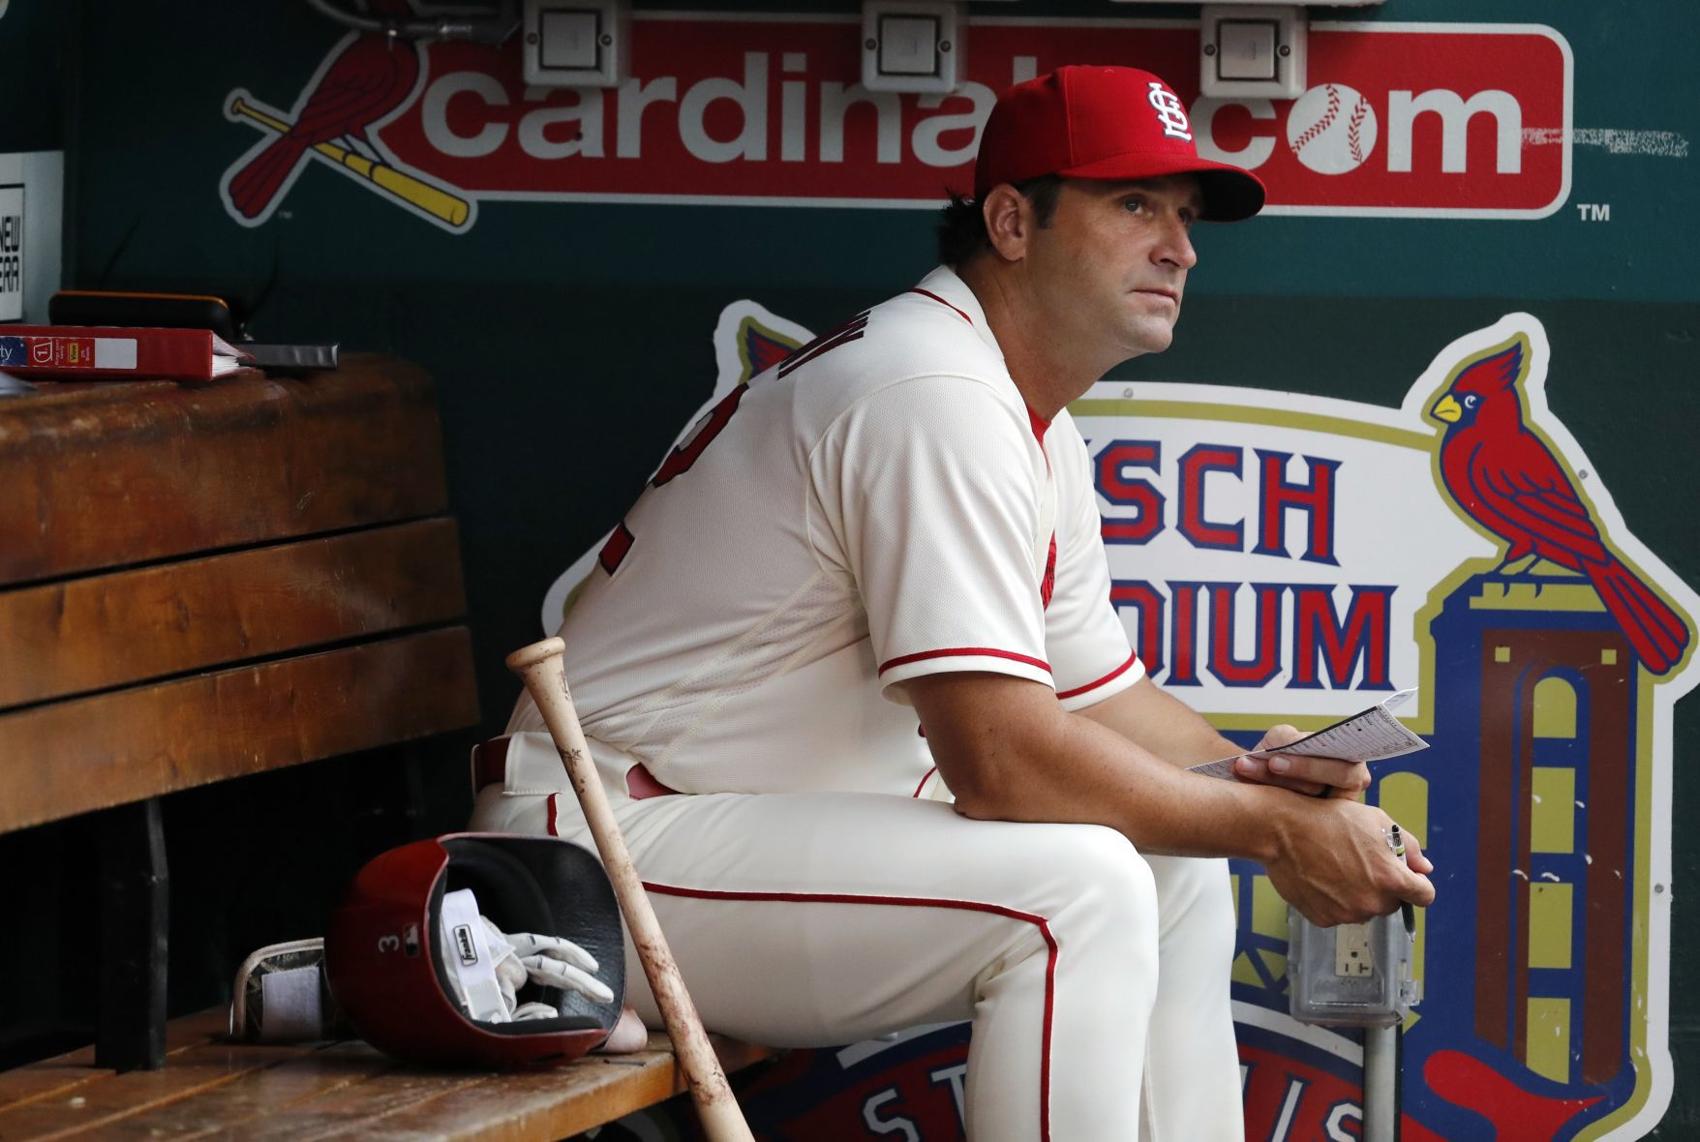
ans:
x=31 y=207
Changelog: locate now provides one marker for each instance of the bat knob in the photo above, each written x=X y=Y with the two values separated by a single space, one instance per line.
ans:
x=529 y=656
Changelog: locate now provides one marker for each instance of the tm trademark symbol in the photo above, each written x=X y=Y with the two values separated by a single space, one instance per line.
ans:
x=1594 y=211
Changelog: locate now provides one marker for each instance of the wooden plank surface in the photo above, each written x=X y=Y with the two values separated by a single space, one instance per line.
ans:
x=72 y=757
x=318 y=1095
x=249 y=1091
x=60 y=1076
x=104 y=475
x=97 y=1107
x=543 y=1105
x=102 y=631
x=342 y=1090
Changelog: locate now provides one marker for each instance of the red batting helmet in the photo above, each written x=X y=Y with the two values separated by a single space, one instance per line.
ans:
x=386 y=962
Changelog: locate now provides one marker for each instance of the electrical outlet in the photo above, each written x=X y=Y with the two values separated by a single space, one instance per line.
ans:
x=1351 y=974
x=576 y=43
x=1354 y=955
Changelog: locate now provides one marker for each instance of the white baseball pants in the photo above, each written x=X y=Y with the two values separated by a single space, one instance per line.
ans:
x=1096 y=978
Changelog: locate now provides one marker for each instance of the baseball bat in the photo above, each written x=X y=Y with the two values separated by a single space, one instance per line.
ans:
x=539 y=667
x=432 y=200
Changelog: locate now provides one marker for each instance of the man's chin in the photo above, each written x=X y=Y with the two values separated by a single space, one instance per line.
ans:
x=1151 y=337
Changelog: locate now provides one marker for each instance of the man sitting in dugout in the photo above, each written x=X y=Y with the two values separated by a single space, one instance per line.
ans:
x=874 y=733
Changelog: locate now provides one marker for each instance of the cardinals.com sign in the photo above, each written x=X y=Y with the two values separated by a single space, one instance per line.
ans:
x=1278 y=557
x=1462 y=120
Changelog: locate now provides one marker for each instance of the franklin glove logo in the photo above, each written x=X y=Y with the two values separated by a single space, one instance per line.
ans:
x=463 y=942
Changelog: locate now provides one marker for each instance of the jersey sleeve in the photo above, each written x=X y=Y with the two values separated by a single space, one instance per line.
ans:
x=1085 y=640
x=929 y=499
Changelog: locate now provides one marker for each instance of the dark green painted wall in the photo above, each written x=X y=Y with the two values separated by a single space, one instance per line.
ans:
x=569 y=340
x=34 y=47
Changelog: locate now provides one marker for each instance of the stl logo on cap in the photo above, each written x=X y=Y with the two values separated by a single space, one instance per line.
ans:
x=1170 y=112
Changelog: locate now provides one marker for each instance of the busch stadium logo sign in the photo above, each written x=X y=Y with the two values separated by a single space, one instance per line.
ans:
x=1318 y=553
x=1290 y=558
x=1460 y=120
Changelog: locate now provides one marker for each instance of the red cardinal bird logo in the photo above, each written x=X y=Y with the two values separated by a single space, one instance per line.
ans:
x=369 y=79
x=1509 y=482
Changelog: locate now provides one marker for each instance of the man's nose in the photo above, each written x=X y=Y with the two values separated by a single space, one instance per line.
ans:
x=1176 y=247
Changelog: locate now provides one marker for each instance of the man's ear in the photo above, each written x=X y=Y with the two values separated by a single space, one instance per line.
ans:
x=1009 y=221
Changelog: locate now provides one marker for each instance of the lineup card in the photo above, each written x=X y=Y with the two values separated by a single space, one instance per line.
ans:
x=1372 y=735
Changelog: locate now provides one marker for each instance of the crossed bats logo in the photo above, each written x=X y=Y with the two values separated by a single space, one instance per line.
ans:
x=367 y=79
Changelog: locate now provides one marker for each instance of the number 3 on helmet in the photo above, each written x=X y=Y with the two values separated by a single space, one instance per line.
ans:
x=388 y=964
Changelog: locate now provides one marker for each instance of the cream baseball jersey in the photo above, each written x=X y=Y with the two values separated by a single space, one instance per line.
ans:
x=878 y=506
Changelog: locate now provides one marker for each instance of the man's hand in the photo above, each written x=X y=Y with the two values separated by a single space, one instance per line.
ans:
x=1310 y=775
x=1334 y=864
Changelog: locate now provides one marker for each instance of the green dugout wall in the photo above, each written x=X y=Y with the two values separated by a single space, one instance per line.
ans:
x=571 y=338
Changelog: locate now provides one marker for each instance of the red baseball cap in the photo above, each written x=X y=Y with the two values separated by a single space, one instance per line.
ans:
x=1108 y=123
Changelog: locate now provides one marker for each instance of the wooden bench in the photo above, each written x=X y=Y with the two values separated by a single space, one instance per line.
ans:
x=331 y=1090
x=202 y=582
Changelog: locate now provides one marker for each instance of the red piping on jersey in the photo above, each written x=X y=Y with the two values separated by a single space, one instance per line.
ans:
x=1048 y=584
x=961 y=651
x=1110 y=677
x=614 y=551
x=924 y=780
x=929 y=293
x=1039 y=425
x=550 y=823
x=918 y=902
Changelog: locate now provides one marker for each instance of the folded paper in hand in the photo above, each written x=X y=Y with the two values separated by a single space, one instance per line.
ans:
x=1371 y=735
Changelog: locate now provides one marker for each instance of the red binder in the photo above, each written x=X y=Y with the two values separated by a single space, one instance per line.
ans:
x=90 y=352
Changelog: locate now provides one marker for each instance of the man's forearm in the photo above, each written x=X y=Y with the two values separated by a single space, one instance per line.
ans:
x=1162 y=724
x=1163 y=809
x=1049 y=765
x=1010 y=752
